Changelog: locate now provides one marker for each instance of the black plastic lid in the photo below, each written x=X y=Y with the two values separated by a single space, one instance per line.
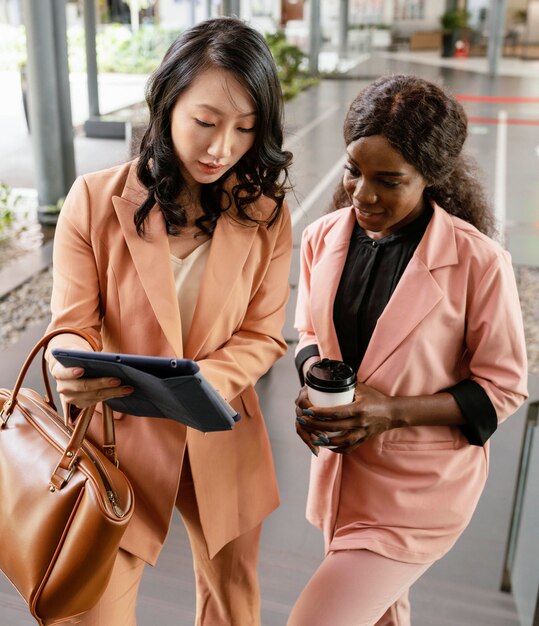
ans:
x=330 y=375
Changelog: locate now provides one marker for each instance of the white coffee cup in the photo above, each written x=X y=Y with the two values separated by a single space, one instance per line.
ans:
x=330 y=383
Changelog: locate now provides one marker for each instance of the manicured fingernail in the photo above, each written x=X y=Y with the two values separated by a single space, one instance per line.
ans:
x=127 y=390
x=78 y=371
x=308 y=412
x=115 y=382
x=315 y=452
x=301 y=420
x=321 y=441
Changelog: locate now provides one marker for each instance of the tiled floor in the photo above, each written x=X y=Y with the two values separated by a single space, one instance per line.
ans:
x=463 y=588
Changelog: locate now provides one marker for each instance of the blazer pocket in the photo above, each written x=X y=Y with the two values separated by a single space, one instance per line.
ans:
x=419 y=446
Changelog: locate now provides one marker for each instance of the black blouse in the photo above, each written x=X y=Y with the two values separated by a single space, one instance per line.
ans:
x=371 y=272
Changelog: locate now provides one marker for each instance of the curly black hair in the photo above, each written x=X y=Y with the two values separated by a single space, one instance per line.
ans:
x=428 y=126
x=228 y=44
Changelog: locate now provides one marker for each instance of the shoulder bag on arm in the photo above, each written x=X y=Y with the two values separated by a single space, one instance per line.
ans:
x=64 y=503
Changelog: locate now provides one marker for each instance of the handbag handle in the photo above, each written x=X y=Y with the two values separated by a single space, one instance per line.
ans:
x=65 y=467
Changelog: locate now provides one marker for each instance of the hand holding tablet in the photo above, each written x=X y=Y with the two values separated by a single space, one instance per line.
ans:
x=164 y=387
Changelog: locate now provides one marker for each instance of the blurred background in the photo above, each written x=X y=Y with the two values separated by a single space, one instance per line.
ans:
x=72 y=78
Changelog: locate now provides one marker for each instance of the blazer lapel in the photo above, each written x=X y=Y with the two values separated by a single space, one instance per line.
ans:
x=324 y=286
x=151 y=257
x=230 y=247
x=416 y=294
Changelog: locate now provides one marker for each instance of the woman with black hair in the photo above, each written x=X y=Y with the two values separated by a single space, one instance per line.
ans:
x=185 y=252
x=403 y=283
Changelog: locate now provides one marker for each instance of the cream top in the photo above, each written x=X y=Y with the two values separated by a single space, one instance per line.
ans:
x=188 y=277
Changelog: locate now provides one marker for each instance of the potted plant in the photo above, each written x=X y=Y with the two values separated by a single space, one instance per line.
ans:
x=452 y=23
x=47 y=215
x=288 y=59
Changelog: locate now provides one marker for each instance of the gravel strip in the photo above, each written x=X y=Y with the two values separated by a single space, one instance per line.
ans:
x=528 y=289
x=29 y=304
x=25 y=306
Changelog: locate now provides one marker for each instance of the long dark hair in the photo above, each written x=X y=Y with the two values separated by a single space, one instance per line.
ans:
x=227 y=44
x=428 y=127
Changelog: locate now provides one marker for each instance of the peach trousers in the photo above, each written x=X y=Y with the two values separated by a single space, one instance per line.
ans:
x=357 y=588
x=226 y=586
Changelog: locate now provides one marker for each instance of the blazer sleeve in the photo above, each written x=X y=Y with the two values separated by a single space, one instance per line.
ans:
x=495 y=337
x=259 y=342
x=303 y=355
x=308 y=342
x=75 y=293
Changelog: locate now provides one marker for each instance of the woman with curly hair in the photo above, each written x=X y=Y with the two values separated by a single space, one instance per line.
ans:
x=185 y=252
x=404 y=284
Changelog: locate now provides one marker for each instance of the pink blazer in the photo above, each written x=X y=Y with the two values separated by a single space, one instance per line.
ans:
x=454 y=315
x=120 y=288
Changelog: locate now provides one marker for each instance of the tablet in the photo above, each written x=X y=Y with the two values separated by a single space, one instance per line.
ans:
x=98 y=364
x=163 y=387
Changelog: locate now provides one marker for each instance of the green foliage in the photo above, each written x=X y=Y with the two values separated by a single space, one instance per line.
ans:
x=453 y=20
x=287 y=57
x=289 y=60
x=8 y=202
x=12 y=47
x=119 y=50
x=53 y=209
x=122 y=51
x=367 y=26
x=139 y=53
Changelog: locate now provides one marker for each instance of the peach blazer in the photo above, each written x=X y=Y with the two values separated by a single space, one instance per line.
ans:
x=120 y=288
x=454 y=315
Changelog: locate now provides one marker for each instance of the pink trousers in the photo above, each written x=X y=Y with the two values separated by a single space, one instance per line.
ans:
x=357 y=588
x=226 y=586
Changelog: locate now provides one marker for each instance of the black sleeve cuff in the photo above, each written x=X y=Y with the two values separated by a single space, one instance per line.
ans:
x=477 y=409
x=302 y=356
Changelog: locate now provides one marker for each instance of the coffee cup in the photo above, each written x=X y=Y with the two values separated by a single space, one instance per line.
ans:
x=330 y=383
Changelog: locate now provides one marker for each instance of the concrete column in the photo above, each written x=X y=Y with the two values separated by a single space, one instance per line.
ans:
x=536 y=616
x=343 y=27
x=134 y=11
x=315 y=35
x=91 y=57
x=49 y=98
x=498 y=9
x=389 y=11
x=230 y=7
x=64 y=92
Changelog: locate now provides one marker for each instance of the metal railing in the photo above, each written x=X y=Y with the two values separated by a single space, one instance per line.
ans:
x=532 y=421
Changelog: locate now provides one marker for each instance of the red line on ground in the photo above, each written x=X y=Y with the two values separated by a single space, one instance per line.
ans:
x=515 y=99
x=509 y=121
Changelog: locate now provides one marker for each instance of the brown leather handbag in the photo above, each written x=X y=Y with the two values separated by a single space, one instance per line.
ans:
x=64 y=503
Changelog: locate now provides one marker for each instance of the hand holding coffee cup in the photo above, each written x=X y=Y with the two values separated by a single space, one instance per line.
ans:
x=330 y=383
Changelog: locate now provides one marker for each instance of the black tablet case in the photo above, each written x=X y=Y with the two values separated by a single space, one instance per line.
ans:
x=170 y=388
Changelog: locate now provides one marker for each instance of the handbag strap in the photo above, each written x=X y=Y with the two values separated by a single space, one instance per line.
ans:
x=65 y=467
x=44 y=365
